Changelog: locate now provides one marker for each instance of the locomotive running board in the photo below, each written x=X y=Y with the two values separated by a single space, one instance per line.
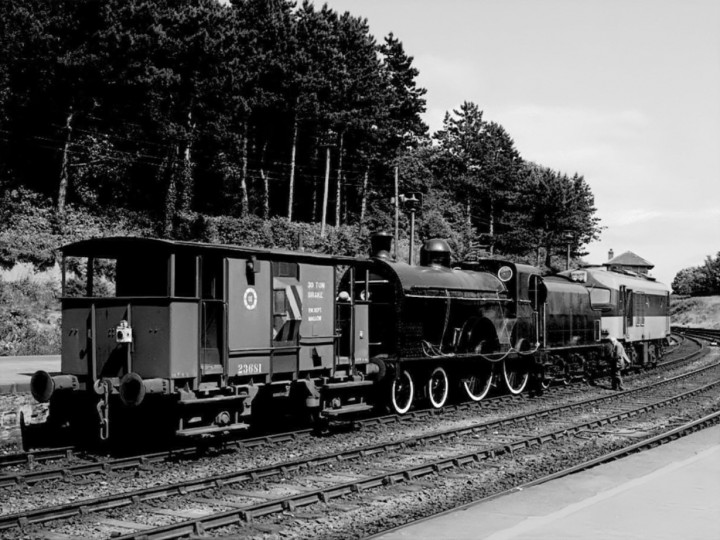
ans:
x=210 y=430
x=346 y=385
x=347 y=409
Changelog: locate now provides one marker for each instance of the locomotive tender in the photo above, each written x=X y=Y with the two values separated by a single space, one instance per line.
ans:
x=198 y=339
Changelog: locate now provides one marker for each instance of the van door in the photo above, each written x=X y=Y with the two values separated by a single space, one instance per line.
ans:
x=212 y=306
x=287 y=307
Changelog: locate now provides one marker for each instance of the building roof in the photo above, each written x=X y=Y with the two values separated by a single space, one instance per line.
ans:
x=629 y=259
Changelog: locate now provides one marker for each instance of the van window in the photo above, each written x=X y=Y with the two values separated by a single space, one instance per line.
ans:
x=142 y=276
x=186 y=275
x=212 y=277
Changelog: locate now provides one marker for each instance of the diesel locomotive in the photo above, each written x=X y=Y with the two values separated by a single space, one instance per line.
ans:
x=192 y=339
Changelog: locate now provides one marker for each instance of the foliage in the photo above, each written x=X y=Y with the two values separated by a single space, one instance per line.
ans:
x=33 y=233
x=279 y=233
x=551 y=211
x=27 y=235
x=699 y=280
x=29 y=321
x=482 y=164
x=197 y=106
x=213 y=121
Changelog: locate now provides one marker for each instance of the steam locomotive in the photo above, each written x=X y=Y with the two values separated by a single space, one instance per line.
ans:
x=195 y=339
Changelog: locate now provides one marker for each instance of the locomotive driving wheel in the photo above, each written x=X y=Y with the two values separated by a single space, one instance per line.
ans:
x=438 y=387
x=478 y=384
x=515 y=374
x=402 y=392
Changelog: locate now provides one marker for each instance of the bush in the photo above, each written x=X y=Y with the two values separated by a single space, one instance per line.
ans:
x=33 y=232
x=28 y=233
x=279 y=233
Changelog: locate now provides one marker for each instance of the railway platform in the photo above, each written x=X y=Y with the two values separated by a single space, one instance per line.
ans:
x=669 y=492
x=16 y=371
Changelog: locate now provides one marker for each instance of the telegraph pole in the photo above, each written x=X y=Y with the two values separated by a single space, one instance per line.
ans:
x=412 y=203
x=327 y=143
x=397 y=211
x=568 y=240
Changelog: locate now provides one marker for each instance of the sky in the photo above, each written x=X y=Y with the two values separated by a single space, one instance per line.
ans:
x=623 y=92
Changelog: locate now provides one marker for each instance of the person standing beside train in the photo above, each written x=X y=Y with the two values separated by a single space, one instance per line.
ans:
x=618 y=361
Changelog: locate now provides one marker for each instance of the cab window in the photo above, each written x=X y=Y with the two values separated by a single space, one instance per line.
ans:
x=599 y=297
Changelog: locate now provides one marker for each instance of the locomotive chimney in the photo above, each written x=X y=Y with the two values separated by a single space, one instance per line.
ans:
x=380 y=245
x=611 y=254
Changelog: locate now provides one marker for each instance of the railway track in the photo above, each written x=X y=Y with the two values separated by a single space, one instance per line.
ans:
x=492 y=445
x=412 y=476
x=95 y=464
x=710 y=335
x=665 y=437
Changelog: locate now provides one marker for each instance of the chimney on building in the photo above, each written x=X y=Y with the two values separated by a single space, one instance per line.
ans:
x=611 y=254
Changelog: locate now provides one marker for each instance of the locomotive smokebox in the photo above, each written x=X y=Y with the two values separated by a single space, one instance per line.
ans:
x=435 y=252
x=380 y=245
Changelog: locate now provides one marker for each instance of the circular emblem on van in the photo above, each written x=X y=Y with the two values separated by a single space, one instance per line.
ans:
x=250 y=298
x=505 y=273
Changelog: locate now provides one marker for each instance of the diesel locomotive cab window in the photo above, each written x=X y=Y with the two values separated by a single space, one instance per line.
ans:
x=599 y=297
x=640 y=308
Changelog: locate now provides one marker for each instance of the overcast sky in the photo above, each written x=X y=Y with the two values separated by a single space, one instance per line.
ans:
x=624 y=92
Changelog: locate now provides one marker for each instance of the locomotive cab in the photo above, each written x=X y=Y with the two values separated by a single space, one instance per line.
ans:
x=526 y=289
x=431 y=327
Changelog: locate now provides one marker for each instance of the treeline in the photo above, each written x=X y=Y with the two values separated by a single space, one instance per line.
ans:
x=703 y=280
x=189 y=110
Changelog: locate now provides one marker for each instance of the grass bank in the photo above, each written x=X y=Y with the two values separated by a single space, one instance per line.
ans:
x=696 y=311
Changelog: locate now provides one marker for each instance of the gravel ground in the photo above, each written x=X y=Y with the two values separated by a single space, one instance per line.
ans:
x=11 y=405
x=397 y=505
x=356 y=515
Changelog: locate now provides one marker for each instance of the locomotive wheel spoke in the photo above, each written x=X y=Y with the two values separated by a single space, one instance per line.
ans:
x=402 y=392
x=515 y=375
x=478 y=385
x=438 y=387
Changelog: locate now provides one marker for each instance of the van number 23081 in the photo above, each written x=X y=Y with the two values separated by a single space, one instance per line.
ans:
x=249 y=369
